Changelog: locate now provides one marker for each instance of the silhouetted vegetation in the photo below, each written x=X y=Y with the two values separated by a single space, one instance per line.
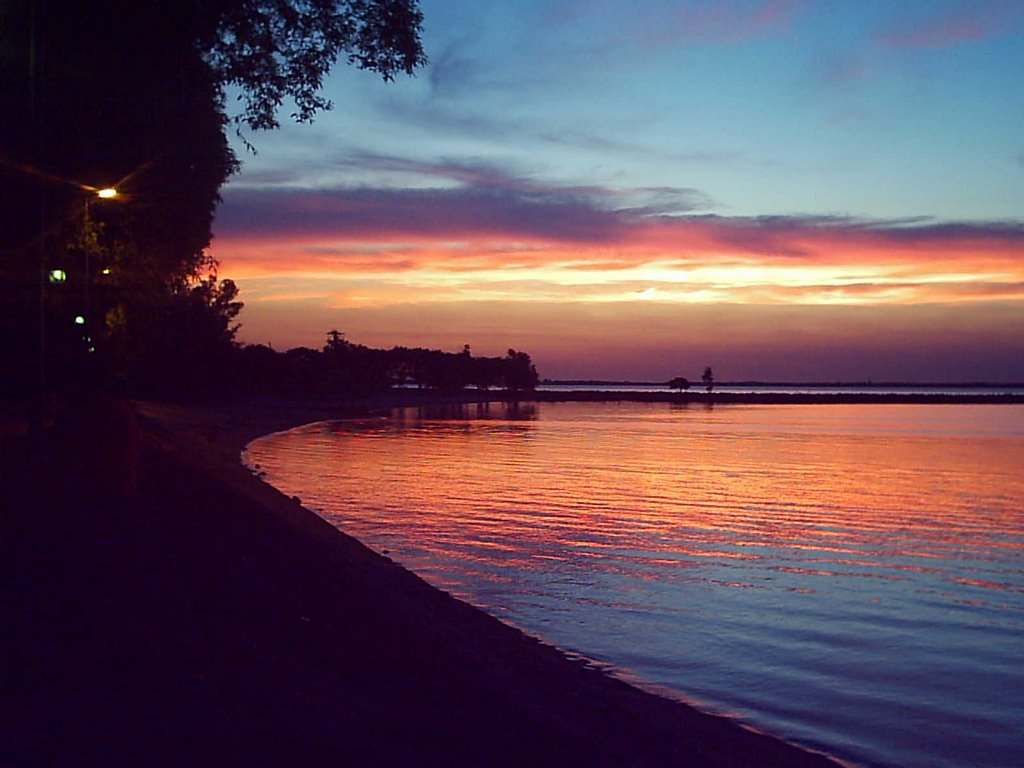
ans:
x=344 y=368
x=278 y=50
x=133 y=96
x=183 y=345
x=708 y=378
x=679 y=383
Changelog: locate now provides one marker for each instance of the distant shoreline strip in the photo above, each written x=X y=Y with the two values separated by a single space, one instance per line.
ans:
x=761 y=398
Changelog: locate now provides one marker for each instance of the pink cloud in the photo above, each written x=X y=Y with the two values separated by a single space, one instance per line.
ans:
x=361 y=231
x=964 y=23
x=723 y=21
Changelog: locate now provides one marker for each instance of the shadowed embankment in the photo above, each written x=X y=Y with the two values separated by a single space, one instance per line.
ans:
x=209 y=620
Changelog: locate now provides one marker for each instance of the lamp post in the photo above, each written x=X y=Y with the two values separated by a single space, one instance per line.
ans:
x=106 y=193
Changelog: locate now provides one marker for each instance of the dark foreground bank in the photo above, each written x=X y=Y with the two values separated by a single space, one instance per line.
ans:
x=209 y=620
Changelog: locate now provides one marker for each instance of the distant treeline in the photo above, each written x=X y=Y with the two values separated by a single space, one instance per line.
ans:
x=342 y=368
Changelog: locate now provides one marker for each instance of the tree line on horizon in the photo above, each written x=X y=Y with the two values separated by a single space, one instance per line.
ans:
x=345 y=368
x=681 y=383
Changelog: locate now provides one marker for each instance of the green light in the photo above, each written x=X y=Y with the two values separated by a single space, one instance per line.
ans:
x=79 y=320
x=58 y=276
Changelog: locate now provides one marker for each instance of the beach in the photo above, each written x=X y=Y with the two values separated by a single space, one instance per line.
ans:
x=208 y=619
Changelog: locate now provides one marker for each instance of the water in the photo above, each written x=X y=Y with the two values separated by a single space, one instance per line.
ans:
x=802 y=389
x=850 y=577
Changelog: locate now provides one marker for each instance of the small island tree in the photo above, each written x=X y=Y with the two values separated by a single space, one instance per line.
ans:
x=679 y=383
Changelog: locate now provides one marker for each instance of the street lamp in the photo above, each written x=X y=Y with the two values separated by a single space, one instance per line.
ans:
x=58 y=276
x=106 y=193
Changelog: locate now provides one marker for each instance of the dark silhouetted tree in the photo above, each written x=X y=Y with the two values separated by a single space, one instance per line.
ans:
x=343 y=368
x=135 y=95
x=277 y=50
x=680 y=383
x=519 y=372
x=97 y=97
x=182 y=346
x=335 y=341
x=708 y=378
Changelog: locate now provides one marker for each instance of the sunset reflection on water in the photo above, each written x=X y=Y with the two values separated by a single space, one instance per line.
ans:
x=832 y=573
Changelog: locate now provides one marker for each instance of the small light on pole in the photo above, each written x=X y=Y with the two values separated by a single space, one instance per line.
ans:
x=106 y=193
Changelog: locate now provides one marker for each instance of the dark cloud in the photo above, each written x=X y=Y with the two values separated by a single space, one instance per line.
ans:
x=465 y=198
x=663 y=200
x=1010 y=234
x=436 y=213
x=470 y=173
x=776 y=234
x=487 y=203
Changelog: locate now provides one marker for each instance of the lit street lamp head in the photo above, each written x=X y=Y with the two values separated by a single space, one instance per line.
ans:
x=106 y=193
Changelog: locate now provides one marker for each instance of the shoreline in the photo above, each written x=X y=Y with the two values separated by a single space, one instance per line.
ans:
x=775 y=398
x=212 y=617
x=233 y=429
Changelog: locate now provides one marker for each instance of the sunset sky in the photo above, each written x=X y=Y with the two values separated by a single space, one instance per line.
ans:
x=785 y=190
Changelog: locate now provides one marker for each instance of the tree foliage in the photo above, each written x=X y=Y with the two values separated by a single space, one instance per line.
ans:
x=134 y=95
x=708 y=378
x=342 y=367
x=180 y=347
x=94 y=98
x=273 y=50
x=679 y=383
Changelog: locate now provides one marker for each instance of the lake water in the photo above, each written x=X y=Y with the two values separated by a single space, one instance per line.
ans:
x=849 y=577
x=802 y=389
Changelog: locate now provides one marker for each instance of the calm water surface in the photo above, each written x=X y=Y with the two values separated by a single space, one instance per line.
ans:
x=801 y=389
x=848 y=577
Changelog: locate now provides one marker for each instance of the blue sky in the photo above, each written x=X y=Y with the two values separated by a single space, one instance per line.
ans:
x=764 y=107
x=764 y=115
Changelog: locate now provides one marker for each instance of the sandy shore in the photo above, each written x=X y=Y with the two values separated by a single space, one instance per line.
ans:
x=209 y=620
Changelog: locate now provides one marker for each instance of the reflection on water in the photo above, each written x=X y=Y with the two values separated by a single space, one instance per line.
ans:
x=851 y=577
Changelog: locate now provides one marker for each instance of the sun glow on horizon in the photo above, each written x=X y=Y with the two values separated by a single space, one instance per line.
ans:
x=432 y=273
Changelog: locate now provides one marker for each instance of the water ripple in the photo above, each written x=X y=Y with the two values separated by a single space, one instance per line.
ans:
x=851 y=577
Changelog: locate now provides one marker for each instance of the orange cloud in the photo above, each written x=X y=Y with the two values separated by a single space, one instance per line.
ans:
x=582 y=284
x=683 y=259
